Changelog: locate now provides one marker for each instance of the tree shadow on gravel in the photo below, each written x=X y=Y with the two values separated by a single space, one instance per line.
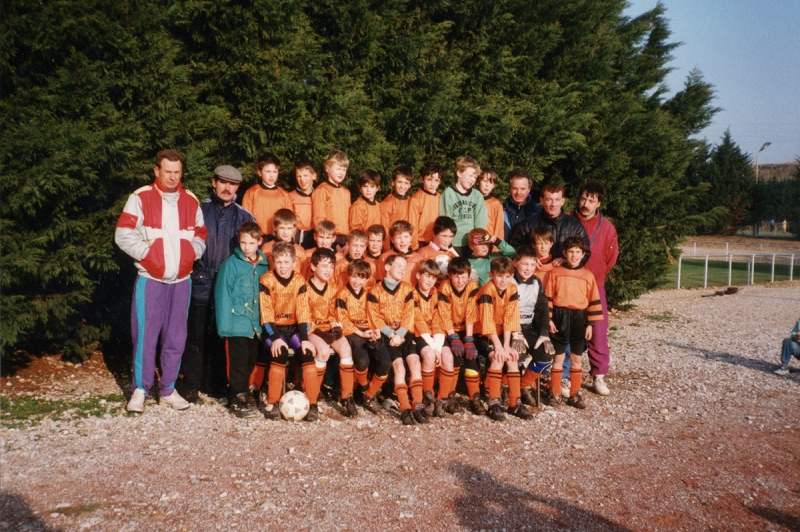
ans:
x=15 y=514
x=776 y=516
x=491 y=504
x=736 y=360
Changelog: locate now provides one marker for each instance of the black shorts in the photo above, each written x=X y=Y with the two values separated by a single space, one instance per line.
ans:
x=571 y=329
x=420 y=344
x=401 y=351
x=327 y=336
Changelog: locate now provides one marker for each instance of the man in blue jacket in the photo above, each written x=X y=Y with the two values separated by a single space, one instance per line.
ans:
x=203 y=357
x=520 y=203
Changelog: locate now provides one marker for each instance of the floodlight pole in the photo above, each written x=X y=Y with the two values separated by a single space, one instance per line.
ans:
x=759 y=151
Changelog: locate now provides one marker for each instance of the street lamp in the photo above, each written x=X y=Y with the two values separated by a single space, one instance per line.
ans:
x=759 y=151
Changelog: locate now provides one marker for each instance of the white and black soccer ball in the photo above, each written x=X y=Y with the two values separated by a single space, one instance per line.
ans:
x=293 y=405
x=443 y=261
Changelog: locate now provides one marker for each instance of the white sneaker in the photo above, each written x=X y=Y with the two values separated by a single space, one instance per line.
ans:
x=176 y=401
x=136 y=404
x=600 y=387
x=565 y=384
x=782 y=371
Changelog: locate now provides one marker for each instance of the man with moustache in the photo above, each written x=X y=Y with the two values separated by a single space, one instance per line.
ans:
x=204 y=357
x=520 y=204
x=161 y=227
x=552 y=216
x=603 y=239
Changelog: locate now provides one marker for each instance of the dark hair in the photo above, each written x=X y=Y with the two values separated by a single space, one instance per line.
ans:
x=322 y=253
x=304 y=163
x=458 y=265
x=249 y=228
x=369 y=177
x=359 y=268
x=552 y=188
x=403 y=171
x=284 y=216
x=501 y=265
x=519 y=173
x=283 y=248
x=400 y=226
x=430 y=168
x=593 y=188
x=265 y=159
x=573 y=241
x=391 y=259
x=442 y=223
x=525 y=251
x=542 y=232
x=170 y=155
x=376 y=229
x=430 y=267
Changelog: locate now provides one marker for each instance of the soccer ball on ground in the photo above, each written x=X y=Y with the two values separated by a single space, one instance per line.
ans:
x=293 y=405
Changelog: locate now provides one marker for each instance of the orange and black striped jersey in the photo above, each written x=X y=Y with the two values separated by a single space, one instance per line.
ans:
x=305 y=267
x=351 y=310
x=364 y=213
x=299 y=252
x=322 y=305
x=497 y=312
x=574 y=289
x=393 y=208
x=422 y=212
x=340 y=271
x=494 y=211
x=301 y=205
x=391 y=308
x=454 y=310
x=283 y=302
x=331 y=202
x=424 y=308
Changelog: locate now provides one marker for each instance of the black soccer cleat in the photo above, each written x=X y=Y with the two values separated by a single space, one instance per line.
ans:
x=553 y=399
x=350 y=409
x=520 y=411
x=371 y=404
x=421 y=415
x=453 y=406
x=477 y=406
x=313 y=413
x=527 y=396
x=576 y=401
x=275 y=413
x=496 y=412
x=428 y=399
x=407 y=417
x=439 y=408
x=240 y=408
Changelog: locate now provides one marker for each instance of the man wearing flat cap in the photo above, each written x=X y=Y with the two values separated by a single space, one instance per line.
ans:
x=203 y=358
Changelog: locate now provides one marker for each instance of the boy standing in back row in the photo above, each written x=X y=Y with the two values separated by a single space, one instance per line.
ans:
x=331 y=199
x=266 y=197
x=464 y=204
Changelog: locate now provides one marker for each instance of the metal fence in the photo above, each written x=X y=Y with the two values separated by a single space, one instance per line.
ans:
x=731 y=267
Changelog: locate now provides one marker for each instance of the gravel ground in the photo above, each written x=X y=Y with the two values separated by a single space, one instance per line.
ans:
x=697 y=434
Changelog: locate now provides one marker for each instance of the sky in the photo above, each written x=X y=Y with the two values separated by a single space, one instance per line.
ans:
x=750 y=51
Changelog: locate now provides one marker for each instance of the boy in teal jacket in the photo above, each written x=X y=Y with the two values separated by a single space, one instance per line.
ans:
x=237 y=313
x=791 y=348
x=481 y=243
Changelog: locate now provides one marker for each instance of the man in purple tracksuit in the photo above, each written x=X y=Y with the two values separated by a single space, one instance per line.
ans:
x=603 y=239
x=161 y=227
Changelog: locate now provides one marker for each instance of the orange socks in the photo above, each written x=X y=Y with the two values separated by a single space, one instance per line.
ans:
x=346 y=377
x=427 y=380
x=311 y=381
x=473 y=383
x=361 y=377
x=401 y=391
x=446 y=383
x=575 y=378
x=416 y=391
x=494 y=378
x=555 y=380
x=513 y=388
x=375 y=385
x=529 y=379
x=277 y=372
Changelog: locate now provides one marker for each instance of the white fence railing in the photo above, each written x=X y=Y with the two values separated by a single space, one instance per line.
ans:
x=750 y=258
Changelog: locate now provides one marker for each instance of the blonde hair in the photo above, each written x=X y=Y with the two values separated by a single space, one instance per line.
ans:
x=462 y=163
x=336 y=157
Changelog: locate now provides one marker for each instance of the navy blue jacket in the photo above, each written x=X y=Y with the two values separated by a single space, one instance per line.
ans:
x=513 y=214
x=561 y=226
x=223 y=223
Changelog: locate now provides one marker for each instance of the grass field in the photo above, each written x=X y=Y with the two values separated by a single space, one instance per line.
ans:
x=692 y=273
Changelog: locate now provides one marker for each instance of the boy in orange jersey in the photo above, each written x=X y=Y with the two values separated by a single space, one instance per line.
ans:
x=365 y=211
x=305 y=174
x=424 y=206
x=325 y=237
x=356 y=248
x=326 y=331
x=440 y=249
x=455 y=316
x=395 y=206
x=400 y=237
x=376 y=235
x=351 y=312
x=494 y=207
x=533 y=343
x=285 y=316
x=574 y=303
x=285 y=223
x=390 y=310
x=429 y=345
x=498 y=318
x=266 y=197
x=331 y=200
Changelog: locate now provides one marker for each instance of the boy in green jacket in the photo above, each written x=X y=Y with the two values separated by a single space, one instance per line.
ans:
x=237 y=313
x=481 y=243
x=463 y=203
x=791 y=348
